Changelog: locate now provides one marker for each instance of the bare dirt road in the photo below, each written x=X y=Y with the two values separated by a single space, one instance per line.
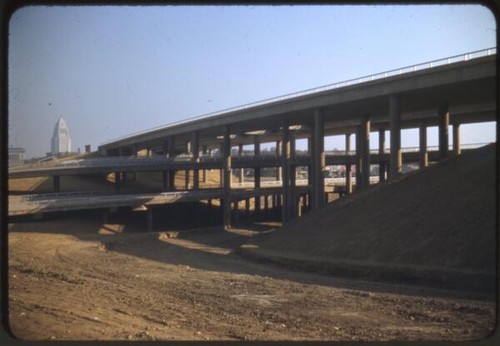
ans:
x=77 y=279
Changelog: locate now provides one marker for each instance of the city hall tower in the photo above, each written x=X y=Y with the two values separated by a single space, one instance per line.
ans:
x=61 y=142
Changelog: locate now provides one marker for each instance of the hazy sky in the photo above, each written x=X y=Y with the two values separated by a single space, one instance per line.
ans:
x=111 y=71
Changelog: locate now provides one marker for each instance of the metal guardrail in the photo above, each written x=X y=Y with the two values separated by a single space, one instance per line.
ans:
x=369 y=78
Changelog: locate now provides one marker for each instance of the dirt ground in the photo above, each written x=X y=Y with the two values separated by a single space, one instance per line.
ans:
x=71 y=277
x=78 y=279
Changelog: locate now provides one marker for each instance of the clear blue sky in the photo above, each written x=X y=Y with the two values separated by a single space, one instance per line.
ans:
x=112 y=71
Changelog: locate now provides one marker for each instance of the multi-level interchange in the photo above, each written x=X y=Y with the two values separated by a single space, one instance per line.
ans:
x=452 y=91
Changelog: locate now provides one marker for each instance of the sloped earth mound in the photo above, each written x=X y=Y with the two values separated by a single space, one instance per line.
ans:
x=432 y=227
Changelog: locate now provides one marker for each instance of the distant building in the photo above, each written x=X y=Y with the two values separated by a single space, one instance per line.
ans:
x=61 y=142
x=16 y=155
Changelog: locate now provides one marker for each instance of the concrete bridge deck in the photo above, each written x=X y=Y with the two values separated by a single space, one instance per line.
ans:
x=447 y=92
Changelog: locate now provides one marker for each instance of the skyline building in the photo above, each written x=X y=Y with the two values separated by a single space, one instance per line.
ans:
x=61 y=141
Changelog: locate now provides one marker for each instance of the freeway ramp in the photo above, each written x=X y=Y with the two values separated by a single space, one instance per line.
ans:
x=436 y=226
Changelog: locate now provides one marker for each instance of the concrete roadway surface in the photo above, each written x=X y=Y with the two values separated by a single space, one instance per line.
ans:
x=75 y=278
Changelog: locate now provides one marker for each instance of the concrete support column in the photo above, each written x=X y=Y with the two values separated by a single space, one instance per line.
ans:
x=242 y=170
x=363 y=154
x=57 y=183
x=186 y=179
x=424 y=155
x=171 y=155
x=196 y=158
x=396 y=158
x=165 y=147
x=285 y=166
x=348 y=179
x=118 y=181
x=456 y=139
x=318 y=160
x=247 y=206
x=381 y=154
x=226 y=157
x=292 y=144
x=257 y=173
x=166 y=180
x=204 y=172
x=278 y=154
x=444 y=122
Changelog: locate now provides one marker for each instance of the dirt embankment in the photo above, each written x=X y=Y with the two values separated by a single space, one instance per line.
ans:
x=78 y=280
x=435 y=226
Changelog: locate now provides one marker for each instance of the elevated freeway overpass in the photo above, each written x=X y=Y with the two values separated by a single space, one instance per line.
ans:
x=451 y=91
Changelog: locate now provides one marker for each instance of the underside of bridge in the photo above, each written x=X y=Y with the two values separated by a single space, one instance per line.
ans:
x=453 y=94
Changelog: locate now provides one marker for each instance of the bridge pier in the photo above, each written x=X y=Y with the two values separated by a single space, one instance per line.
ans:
x=204 y=171
x=381 y=153
x=56 y=183
x=456 y=139
x=424 y=155
x=196 y=158
x=318 y=160
x=363 y=154
x=118 y=181
x=285 y=168
x=166 y=180
x=396 y=158
x=348 y=178
x=171 y=155
x=186 y=179
x=226 y=157
x=444 y=122
x=256 y=175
